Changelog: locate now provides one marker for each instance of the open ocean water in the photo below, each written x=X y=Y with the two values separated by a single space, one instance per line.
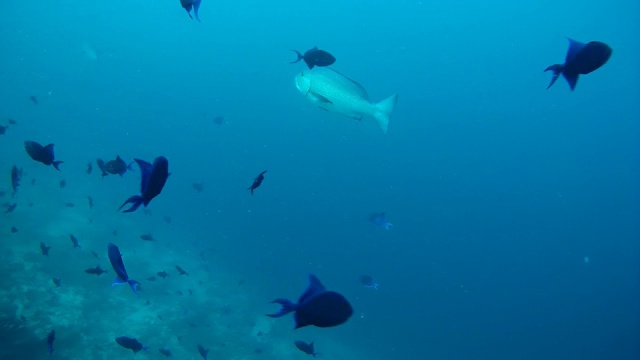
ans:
x=515 y=209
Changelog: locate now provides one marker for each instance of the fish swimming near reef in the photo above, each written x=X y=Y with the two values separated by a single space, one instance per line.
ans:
x=315 y=57
x=16 y=176
x=43 y=154
x=306 y=348
x=95 y=271
x=336 y=93
x=203 y=352
x=118 y=266
x=316 y=306
x=153 y=180
x=581 y=59
x=131 y=344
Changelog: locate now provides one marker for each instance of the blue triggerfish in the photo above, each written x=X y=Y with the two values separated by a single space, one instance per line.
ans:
x=203 y=352
x=380 y=220
x=118 y=266
x=306 y=348
x=316 y=306
x=50 y=338
x=257 y=182
x=581 y=60
x=315 y=57
x=43 y=154
x=131 y=344
x=153 y=179
x=188 y=5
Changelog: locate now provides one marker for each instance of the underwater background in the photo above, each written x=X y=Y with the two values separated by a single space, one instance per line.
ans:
x=515 y=208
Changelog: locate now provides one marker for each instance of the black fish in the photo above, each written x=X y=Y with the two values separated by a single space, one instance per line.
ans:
x=118 y=266
x=116 y=167
x=43 y=154
x=63 y=183
x=3 y=129
x=165 y=352
x=306 y=348
x=10 y=208
x=581 y=60
x=90 y=199
x=181 y=271
x=95 y=271
x=50 y=338
x=315 y=57
x=147 y=237
x=153 y=179
x=102 y=167
x=34 y=99
x=162 y=274
x=57 y=282
x=89 y=168
x=131 y=344
x=257 y=182
x=14 y=229
x=44 y=249
x=316 y=306
x=203 y=352
x=12 y=122
x=191 y=4
x=199 y=187
x=16 y=176
x=74 y=241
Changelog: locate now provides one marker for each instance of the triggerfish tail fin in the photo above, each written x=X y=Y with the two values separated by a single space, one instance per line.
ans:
x=557 y=70
x=134 y=286
x=196 y=7
x=383 y=110
x=56 y=164
x=135 y=200
x=287 y=307
x=300 y=56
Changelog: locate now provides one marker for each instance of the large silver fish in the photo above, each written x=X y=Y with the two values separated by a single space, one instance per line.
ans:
x=335 y=92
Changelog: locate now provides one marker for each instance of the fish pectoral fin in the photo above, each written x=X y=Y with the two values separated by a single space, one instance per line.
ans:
x=318 y=98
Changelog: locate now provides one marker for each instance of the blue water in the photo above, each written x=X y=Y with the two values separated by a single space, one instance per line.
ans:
x=515 y=208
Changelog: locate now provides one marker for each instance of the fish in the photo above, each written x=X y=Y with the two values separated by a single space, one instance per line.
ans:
x=581 y=59
x=90 y=199
x=95 y=271
x=43 y=154
x=57 y=282
x=34 y=99
x=162 y=274
x=316 y=306
x=95 y=254
x=203 y=352
x=10 y=208
x=102 y=166
x=69 y=204
x=147 y=237
x=257 y=182
x=306 y=348
x=199 y=187
x=74 y=241
x=50 y=339
x=16 y=177
x=131 y=344
x=63 y=183
x=380 y=220
x=44 y=249
x=181 y=270
x=89 y=168
x=153 y=179
x=314 y=57
x=116 y=167
x=118 y=266
x=3 y=129
x=165 y=352
x=14 y=229
x=12 y=122
x=219 y=120
x=367 y=281
x=336 y=93
x=151 y=278
x=188 y=5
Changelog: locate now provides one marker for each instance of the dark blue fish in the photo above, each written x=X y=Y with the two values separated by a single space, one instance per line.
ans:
x=181 y=270
x=44 y=249
x=50 y=339
x=90 y=199
x=57 y=282
x=43 y=154
x=316 y=306
x=367 y=281
x=14 y=229
x=89 y=168
x=380 y=220
x=306 y=348
x=581 y=60
x=118 y=266
x=3 y=129
x=315 y=57
x=257 y=182
x=16 y=176
x=203 y=352
x=131 y=344
x=10 y=208
x=165 y=352
x=34 y=99
x=102 y=166
x=188 y=5
x=63 y=184
x=95 y=271
x=116 y=167
x=153 y=179
x=74 y=241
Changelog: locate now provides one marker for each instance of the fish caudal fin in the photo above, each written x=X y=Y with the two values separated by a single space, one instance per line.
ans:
x=287 y=307
x=300 y=57
x=134 y=286
x=557 y=70
x=135 y=200
x=382 y=111
x=56 y=164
